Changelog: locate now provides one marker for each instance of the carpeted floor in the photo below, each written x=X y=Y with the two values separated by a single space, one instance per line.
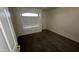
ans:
x=47 y=41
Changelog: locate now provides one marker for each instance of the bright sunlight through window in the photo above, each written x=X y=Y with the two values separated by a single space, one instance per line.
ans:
x=30 y=14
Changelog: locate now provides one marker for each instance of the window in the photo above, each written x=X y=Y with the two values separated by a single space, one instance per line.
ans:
x=30 y=14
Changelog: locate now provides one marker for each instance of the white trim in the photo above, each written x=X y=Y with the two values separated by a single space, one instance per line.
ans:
x=15 y=48
x=31 y=26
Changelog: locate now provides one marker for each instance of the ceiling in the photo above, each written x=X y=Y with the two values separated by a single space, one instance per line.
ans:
x=46 y=8
x=43 y=8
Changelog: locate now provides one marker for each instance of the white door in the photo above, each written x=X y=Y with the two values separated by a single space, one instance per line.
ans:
x=3 y=44
x=7 y=29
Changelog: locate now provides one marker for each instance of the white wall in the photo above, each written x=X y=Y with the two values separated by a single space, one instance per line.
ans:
x=21 y=22
x=64 y=21
x=13 y=20
x=44 y=18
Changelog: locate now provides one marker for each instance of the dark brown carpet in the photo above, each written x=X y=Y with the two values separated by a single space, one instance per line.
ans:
x=47 y=41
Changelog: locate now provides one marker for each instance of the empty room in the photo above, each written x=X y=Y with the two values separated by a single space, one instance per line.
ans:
x=39 y=29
